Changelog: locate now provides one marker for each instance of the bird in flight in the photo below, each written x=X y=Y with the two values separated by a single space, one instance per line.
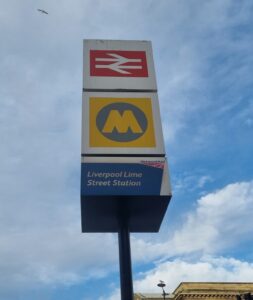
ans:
x=42 y=11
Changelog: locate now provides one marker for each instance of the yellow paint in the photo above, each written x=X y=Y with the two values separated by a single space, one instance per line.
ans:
x=121 y=123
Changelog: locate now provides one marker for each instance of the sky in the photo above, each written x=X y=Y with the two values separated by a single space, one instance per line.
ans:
x=203 y=60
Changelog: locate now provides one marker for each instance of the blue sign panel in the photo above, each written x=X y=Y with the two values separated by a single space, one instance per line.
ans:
x=121 y=178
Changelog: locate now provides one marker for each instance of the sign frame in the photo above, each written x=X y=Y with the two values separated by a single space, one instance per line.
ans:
x=117 y=82
x=157 y=149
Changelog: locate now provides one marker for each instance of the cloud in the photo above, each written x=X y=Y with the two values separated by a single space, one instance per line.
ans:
x=202 y=71
x=191 y=181
x=175 y=271
x=213 y=269
x=220 y=221
x=114 y=296
x=64 y=256
x=61 y=256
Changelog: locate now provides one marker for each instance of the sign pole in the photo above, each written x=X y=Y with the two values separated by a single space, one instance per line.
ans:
x=126 y=282
x=124 y=174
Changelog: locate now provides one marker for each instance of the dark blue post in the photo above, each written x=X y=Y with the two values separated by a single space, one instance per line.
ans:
x=126 y=282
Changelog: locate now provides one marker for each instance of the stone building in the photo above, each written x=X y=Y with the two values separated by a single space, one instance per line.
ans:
x=205 y=291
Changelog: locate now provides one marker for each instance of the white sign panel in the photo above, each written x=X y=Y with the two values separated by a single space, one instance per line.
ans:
x=118 y=65
x=121 y=123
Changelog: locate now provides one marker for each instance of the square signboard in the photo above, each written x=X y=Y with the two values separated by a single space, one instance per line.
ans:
x=137 y=186
x=118 y=65
x=121 y=123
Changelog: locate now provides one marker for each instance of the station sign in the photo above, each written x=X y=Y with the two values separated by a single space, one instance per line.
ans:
x=124 y=176
x=118 y=65
x=121 y=123
x=139 y=185
x=123 y=164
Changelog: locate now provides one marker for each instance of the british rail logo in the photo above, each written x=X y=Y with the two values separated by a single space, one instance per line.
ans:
x=124 y=122
x=118 y=63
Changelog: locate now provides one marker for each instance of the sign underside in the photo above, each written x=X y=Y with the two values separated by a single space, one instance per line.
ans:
x=138 y=187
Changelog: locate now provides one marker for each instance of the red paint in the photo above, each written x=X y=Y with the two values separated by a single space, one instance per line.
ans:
x=117 y=63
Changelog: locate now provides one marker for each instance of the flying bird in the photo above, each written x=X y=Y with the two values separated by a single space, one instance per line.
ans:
x=42 y=11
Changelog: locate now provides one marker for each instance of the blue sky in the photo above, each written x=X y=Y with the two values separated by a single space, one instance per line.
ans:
x=203 y=59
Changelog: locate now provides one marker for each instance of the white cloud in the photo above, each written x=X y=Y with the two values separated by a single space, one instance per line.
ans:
x=203 y=180
x=206 y=269
x=191 y=181
x=210 y=55
x=221 y=220
x=114 y=296
x=210 y=268
x=59 y=256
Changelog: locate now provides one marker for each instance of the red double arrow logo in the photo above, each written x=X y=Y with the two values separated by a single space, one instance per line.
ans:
x=118 y=63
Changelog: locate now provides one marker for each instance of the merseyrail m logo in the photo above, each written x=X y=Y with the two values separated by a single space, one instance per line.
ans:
x=121 y=122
